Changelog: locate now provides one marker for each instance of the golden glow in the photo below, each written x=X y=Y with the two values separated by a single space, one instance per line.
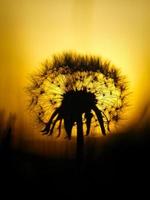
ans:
x=32 y=31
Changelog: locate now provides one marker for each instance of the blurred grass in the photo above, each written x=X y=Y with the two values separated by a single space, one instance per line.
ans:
x=115 y=159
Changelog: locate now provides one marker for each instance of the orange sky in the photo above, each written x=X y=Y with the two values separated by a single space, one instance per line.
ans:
x=33 y=30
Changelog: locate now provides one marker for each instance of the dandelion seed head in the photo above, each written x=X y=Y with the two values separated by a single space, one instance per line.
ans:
x=72 y=72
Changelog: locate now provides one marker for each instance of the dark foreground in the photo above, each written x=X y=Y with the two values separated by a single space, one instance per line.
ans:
x=123 y=162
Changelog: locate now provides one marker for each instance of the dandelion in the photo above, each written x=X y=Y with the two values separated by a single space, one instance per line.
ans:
x=77 y=90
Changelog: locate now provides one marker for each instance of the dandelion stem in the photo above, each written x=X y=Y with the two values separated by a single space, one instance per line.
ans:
x=80 y=141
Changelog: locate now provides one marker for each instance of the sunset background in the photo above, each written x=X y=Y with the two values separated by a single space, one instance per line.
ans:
x=33 y=30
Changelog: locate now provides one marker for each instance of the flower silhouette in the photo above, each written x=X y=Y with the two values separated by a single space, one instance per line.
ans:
x=77 y=90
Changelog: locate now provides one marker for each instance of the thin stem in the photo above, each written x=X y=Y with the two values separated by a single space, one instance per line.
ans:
x=80 y=140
